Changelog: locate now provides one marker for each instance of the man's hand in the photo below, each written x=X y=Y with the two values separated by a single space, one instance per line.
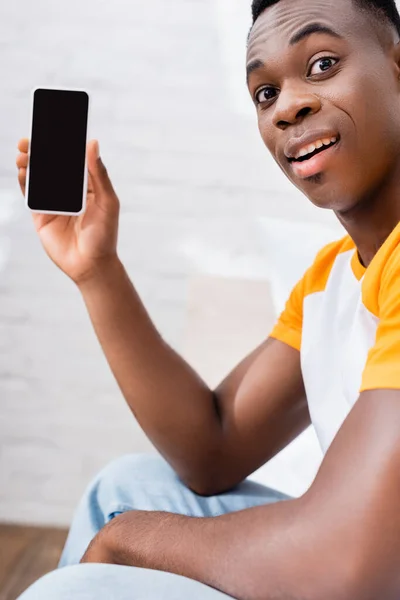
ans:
x=79 y=245
x=132 y=538
x=101 y=548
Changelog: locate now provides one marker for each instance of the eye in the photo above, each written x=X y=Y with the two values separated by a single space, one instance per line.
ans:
x=263 y=95
x=325 y=60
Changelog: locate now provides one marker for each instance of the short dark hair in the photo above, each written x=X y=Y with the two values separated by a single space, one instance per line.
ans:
x=383 y=9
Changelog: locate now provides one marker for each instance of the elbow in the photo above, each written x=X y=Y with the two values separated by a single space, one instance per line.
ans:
x=210 y=479
x=199 y=486
x=195 y=482
x=207 y=486
x=207 y=492
x=202 y=490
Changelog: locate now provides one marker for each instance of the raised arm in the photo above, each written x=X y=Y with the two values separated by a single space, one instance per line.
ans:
x=213 y=439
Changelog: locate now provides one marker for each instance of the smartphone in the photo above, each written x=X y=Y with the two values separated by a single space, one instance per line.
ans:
x=56 y=177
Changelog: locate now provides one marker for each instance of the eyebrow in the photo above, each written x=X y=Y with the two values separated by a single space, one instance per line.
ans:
x=304 y=33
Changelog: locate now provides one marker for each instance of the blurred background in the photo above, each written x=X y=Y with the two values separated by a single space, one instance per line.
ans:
x=212 y=234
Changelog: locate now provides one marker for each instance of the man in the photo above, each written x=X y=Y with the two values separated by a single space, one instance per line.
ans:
x=325 y=80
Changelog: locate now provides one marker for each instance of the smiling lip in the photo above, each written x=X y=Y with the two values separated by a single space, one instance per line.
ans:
x=314 y=165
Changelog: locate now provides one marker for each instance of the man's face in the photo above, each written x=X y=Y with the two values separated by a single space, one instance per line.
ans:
x=345 y=87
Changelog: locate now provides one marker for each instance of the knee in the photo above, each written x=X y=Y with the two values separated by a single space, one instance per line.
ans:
x=138 y=470
x=136 y=467
x=61 y=584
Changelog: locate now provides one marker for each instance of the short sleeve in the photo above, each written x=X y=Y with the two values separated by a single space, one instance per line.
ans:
x=382 y=369
x=289 y=324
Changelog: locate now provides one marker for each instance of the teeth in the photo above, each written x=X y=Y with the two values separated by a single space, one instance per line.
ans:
x=311 y=147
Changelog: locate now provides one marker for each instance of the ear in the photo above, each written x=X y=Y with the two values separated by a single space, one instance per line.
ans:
x=396 y=59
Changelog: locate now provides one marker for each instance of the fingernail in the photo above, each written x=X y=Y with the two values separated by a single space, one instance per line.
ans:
x=97 y=150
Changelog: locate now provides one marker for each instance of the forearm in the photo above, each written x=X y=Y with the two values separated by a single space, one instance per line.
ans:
x=262 y=553
x=339 y=541
x=173 y=405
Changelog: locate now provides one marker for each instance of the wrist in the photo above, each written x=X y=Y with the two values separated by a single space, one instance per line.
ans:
x=140 y=539
x=102 y=549
x=102 y=273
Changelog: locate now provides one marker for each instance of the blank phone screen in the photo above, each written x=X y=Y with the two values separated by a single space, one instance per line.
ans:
x=58 y=150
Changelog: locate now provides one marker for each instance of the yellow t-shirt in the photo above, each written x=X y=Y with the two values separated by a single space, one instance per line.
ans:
x=345 y=321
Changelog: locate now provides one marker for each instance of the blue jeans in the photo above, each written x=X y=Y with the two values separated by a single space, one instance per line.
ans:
x=136 y=482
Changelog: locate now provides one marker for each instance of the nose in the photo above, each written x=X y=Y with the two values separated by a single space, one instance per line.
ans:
x=294 y=104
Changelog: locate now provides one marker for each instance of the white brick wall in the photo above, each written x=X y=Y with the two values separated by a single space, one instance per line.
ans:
x=187 y=166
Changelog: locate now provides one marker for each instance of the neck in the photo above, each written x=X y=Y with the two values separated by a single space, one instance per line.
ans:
x=370 y=222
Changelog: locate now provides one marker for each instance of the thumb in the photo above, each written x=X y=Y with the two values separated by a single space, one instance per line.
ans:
x=101 y=182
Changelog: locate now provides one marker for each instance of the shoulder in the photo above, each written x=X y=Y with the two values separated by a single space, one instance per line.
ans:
x=317 y=275
x=382 y=278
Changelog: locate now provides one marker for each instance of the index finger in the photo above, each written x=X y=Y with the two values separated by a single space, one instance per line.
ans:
x=23 y=145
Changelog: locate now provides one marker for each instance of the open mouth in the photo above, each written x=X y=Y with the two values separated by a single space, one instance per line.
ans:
x=316 y=151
